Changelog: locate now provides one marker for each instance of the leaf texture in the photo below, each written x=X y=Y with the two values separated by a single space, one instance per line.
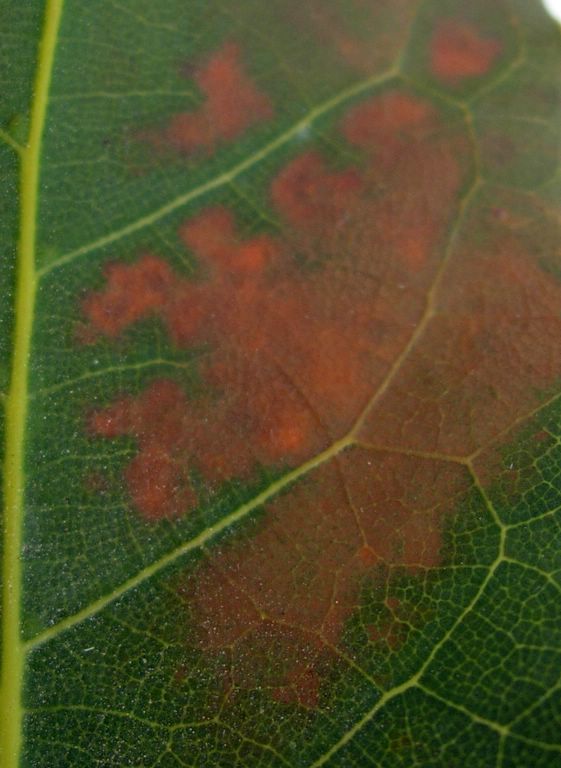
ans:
x=281 y=373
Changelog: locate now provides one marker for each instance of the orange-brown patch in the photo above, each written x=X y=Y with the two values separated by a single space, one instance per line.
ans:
x=300 y=329
x=293 y=353
x=490 y=347
x=367 y=556
x=302 y=687
x=131 y=293
x=297 y=580
x=389 y=635
x=232 y=103
x=459 y=51
x=348 y=28
x=311 y=198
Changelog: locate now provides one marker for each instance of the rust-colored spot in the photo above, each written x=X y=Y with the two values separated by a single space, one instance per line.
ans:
x=300 y=329
x=97 y=483
x=312 y=198
x=389 y=635
x=367 y=556
x=490 y=347
x=232 y=103
x=458 y=51
x=157 y=478
x=132 y=292
x=294 y=584
x=348 y=29
x=293 y=353
x=301 y=687
x=394 y=118
x=393 y=604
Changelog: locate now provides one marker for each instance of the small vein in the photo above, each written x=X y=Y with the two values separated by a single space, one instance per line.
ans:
x=536 y=704
x=138 y=366
x=429 y=455
x=187 y=94
x=536 y=519
x=360 y=724
x=534 y=569
x=512 y=67
x=11 y=142
x=503 y=730
x=260 y=745
x=536 y=743
x=96 y=711
x=138 y=17
x=515 y=423
x=489 y=504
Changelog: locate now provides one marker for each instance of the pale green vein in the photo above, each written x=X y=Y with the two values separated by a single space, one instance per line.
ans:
x=12 y=143
x=501 y=752
x=139 y=18
x=364 y=720
x=517 y=422
x=86 y=458
x=225 y=178
x=503 y=730
x=17 y=402
x=536 y=519
x=534 y=569
x=535 y=743
x=509 y=70
x=258 y=744
x=489 y=504
x=498 y=116
x=198 y=541
x=155 y=362
x=538 y=702
x=98 y=711
x=120 y=96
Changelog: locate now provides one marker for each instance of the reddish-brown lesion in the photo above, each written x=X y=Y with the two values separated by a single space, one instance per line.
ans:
x=366 y=36
x=389 y=632
x=300 y=330
x=232 y=103
x=132 y=292
x=459 y=51
x=294 y=352
x=487 y=352
x=295 y=583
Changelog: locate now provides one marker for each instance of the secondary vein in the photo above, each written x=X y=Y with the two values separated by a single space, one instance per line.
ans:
x=224 y=178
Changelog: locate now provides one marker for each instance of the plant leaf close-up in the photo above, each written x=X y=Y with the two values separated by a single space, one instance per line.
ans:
x=280 y=365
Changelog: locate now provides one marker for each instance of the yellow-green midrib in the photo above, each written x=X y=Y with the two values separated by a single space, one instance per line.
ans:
x=17 y=400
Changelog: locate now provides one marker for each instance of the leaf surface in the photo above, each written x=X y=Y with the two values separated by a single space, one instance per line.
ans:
x=281 y=366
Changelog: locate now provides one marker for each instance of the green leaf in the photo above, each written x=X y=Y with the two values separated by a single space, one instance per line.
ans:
x=281 y=366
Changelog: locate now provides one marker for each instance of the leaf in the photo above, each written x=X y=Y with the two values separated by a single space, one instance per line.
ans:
x=282 y=373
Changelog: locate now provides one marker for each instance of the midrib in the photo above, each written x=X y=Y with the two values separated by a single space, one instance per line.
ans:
x=16 y=403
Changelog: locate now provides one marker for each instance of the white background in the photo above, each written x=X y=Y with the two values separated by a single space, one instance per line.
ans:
x=553 y=7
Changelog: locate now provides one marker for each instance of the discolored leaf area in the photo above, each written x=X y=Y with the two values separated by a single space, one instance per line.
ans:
x=281 y=364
